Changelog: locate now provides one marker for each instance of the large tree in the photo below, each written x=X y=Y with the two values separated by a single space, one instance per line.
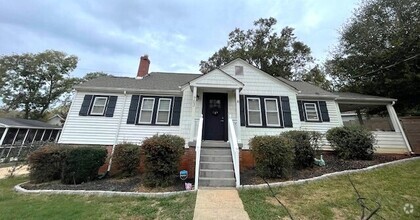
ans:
x=32 y=82
x=379 y=52
x=279 y=54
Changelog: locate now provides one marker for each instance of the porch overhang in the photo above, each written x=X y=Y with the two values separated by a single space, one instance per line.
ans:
x=353 y=101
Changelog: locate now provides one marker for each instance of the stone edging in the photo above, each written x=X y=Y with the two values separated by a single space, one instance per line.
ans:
x=18 y=188
x=328 y=175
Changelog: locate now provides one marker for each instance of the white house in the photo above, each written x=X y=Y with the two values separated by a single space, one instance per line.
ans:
x=235 y=102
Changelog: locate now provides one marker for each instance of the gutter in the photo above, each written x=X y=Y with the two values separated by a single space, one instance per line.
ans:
x=107 y=89
x=116 y=137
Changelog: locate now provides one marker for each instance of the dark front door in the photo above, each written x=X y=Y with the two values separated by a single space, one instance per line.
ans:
x=215 y=116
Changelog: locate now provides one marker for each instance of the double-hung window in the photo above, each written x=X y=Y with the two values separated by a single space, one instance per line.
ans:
x=254 y=111
x=99 y=105
x=272 y=112
x=311 y=112
x=155 y=110
x=146 y=111
x=163 y=111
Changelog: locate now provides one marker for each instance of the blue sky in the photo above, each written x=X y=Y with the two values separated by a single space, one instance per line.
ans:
x=111 y=36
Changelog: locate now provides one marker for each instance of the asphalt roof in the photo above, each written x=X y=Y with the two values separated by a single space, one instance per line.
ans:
x=306 y=88
x=153 y=81
x=25 y=123
x=164 y=81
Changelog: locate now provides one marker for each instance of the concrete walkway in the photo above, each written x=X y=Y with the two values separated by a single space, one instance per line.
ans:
x=219 y=203
x=4 y=172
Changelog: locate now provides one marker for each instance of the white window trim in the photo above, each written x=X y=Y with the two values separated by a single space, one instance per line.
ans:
x=277 y=111
x=316 y=111
x=158 y=110
x=259 y=107
x=94 y=103
x=141 y=110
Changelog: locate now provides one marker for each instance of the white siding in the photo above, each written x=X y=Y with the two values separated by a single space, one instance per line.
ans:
x=390 y=142
x=102 y=130
x=261 y=84
x=335 y=119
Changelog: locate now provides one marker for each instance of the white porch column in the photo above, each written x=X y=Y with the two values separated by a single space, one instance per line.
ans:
x=397 y=125
x=393 y=117
x=3 y=136
x=238 y=117
x=340 y=119
x=194 y=103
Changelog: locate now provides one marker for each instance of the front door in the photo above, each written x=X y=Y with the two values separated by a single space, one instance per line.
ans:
x=215 y=116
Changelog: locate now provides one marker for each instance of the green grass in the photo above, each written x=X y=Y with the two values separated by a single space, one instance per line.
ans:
x=23 y=206
x=334 y=198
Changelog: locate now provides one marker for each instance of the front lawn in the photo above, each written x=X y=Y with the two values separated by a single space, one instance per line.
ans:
x=23 y=206
x=335 y=198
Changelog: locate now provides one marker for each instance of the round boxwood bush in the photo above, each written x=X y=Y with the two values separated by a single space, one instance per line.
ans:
x=273 y=156
x=127 y=159
x=304 y=151
x=162 y=154
x=352 y=142
x=81 y=164
x=45 y=163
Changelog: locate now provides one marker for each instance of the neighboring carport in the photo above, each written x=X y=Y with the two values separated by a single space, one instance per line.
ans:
x=387 y=129
x=17 y=134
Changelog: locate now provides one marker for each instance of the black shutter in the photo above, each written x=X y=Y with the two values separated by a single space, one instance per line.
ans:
x=324 y=111
x=132 y=111
x=111 y=106
x=301 y=111
x=176 y=112
x=242 y=109
x=84 y=110
x=287 y=113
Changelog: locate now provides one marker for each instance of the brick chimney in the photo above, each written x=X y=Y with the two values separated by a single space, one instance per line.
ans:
x=143 y=67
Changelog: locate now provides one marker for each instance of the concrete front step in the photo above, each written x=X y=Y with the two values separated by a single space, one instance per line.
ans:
x=215 y=151
x=216 y=165
x=216 y=182
x=216 y=158
x=215 y=144
x=216 y=173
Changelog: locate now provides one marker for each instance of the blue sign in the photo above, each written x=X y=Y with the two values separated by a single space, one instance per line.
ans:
x=183 y=174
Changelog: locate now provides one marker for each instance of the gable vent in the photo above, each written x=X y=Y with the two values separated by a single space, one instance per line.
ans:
x=239 y=70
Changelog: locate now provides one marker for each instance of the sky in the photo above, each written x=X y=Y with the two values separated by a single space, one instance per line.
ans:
x=111 y=36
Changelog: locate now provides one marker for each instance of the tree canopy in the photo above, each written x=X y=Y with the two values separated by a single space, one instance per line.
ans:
x=279 y=54
x=379 y=52
x=32 y=82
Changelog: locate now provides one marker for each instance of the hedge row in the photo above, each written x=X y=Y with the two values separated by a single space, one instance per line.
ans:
x=74 y=165
x=71 y=165
x=276 y=156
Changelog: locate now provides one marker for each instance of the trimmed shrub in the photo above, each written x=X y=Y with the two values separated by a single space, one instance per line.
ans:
x=81 y=164
x=273 y=155
x=127 y=159
x=162 y=155
x=45 y=163
x=352 y=142
x=304 y=151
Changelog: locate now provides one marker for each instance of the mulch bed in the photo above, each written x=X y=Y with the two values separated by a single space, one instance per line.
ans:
x=130 y=184
x=333 y=164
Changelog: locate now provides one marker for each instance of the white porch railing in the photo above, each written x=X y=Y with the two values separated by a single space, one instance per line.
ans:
x=233 y=142
x=198 y=151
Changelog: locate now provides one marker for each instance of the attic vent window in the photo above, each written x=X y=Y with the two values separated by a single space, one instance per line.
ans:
x=239 y=70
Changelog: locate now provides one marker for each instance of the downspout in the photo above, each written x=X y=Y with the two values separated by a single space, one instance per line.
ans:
x=410 y=151
x=116 y=137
